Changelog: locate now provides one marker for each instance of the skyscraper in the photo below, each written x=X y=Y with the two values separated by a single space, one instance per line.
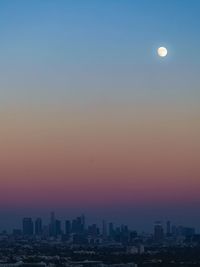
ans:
x=158 y=231
x=83 y=222
x=78 y=224
x=58 y=230
x=52 y=225
x=38 y=226
x=67 y=227
x=104 y=229
x=111 y=229
x=93 y=230
x=27 y=225
x=168 y=228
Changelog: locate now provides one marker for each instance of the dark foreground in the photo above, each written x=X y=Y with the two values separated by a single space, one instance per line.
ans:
x=54 y=253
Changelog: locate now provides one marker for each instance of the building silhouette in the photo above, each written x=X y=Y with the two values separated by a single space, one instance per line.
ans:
x=58 y=230
x=104 y=229
x=158 y=231
x=52 y=225
x=111 y=229
x=68 y=227
x=27 y=226
x=38 y=226
x=168 y=228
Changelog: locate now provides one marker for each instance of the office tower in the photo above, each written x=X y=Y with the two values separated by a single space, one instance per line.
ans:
x=124 y=236
x=67 y=227
x=124 y=229
x=52 y=225
x=117 y=234
x=78 y=225
x=58 y=230
x=83 y=222
x=27 y=226
x=180 y=231
x=158 y=231
x=93 y=230
x=45 y=231
x=111 y=229
x=168 y=228
x=174 y=230
x=74 y=226
x=104 y=229
x=133 y=235
x=38 y=226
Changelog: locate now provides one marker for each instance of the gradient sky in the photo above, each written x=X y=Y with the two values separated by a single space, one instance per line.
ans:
x=92 y=120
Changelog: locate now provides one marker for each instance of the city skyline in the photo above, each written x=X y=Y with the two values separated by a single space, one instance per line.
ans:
x=38 y=223
x=91 y=245
x=92 y=118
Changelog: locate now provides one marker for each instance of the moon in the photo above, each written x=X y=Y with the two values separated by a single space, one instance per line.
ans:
x=162 y=51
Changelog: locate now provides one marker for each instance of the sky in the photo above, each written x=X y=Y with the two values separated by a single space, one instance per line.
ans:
x=92 y=120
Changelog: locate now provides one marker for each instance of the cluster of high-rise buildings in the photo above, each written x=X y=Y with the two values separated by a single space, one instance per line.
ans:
x=53 y=229
x=77 y=231
x=171 y=231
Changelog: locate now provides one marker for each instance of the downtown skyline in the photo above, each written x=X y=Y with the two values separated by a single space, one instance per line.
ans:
x=52 y=220
x=56 y=227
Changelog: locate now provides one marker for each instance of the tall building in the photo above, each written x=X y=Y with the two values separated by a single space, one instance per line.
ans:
x=174 y=230
x=52 y=225
x=58 y=230
x=83 y=222
x=104 y=229
x=93 y=230
x=45 y=231
x=78 y=225
x=111 y=229
x=168 y=228
x=38 y=226
x=68 y=227
x=27 y=226
x=158 y=231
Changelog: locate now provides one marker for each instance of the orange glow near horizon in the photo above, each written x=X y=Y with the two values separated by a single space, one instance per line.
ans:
x=81 y=156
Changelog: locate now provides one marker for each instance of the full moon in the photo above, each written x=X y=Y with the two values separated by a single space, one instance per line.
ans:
x=162 y=51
